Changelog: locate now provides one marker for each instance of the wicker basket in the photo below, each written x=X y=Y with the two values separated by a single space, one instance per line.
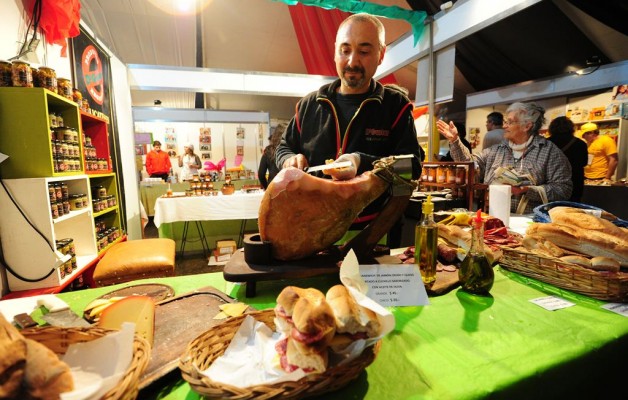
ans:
x=608 y=286
x=59 y=339
x=203 y=350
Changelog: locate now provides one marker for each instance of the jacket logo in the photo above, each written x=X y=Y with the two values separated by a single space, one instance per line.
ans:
x=376 y=135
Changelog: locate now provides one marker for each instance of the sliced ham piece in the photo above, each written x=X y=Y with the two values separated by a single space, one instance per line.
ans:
x=301 y=214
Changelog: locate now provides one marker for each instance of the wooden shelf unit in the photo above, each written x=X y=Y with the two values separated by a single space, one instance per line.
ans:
x=467 y=186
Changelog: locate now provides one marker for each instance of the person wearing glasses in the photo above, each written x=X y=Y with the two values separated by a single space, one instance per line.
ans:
x=536 y=168
x=494 y=129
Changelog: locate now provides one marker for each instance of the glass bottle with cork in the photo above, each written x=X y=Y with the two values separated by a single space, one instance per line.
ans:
x=426 y=243
x=476 y=274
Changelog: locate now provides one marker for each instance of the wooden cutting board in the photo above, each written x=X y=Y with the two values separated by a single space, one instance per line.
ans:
x=178 y=321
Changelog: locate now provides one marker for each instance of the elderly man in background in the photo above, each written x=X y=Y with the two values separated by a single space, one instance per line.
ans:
x=602 y=154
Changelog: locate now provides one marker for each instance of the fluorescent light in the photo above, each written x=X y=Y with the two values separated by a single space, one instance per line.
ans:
x=152 y=77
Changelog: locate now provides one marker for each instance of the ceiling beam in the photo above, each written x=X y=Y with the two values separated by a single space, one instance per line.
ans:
x=606 y=76
x=463 y=19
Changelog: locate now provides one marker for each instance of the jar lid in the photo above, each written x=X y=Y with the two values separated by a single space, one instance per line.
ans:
x=21 y=62
x=5 y=62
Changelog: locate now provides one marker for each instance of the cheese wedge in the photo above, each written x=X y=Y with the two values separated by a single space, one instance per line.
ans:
x=233 y=309
x=137 y=309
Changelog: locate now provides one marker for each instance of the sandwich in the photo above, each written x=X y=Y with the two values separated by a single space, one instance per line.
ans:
x=308 y=323
x=353 y=321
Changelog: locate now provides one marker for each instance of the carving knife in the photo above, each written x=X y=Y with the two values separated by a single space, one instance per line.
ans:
x=340 y=164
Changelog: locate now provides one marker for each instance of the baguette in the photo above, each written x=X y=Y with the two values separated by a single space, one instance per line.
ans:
x=604 y=264
x=577 y=217
x=590 y=242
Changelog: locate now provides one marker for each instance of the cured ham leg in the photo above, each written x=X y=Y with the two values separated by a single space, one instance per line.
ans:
x=301 y=214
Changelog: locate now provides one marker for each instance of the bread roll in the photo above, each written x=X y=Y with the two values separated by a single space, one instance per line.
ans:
x=578 y=260
x=12 y=359
x=604 y=264
x=539 y=244
x=590 y=242
x=351 y=317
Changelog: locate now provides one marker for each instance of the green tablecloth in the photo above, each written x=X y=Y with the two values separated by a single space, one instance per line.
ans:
x=461 y=346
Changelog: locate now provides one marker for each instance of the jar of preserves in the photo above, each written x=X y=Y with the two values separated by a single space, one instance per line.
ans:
x=21 y=74
x=65 y=87
x=5 y=74
x=65 y=194
x=76 y=203
x=77 y=96
x=450 y=174
x=431 y=173
x=461 y=175
x=66 y=206
x=441 y=175
x=46 y=78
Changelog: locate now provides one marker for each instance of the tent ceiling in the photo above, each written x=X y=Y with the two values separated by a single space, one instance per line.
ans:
x=257 y=35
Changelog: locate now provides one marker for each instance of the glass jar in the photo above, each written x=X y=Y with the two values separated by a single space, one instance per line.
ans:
x=450 y=173
x=77 y=96
x=65 y=87
x=21 y=74
x=46 y=78
x=5 y=74
x=441 y=175
x=65 y=193
x=76 y=202
x=461 y=175
x=431 y=173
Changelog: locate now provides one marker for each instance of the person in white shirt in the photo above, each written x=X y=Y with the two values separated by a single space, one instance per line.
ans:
x=189 y=163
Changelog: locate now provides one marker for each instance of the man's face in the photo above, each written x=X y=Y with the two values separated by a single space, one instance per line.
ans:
x=157 y=148
x=358 y=54
x=489 y=125
x=589 y=136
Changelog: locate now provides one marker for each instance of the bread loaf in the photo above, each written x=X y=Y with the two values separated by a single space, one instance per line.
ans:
x=578 y=260
x=12 y=359
x=45 y=376
x=604 y=264
x=576 y=217
x=584 y=241
x=539 y=244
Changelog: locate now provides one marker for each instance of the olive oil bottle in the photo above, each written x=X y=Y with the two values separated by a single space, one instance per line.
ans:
x=476 y=274
x=426 y=243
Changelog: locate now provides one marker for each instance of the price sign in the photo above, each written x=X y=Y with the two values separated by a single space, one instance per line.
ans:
x=394 y=285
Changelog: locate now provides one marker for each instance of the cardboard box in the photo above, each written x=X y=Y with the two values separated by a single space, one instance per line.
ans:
x=597 y=113
x=226 y=246
x=221 y=257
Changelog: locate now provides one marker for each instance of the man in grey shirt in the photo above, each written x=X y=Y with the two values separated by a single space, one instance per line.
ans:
x=495 y=132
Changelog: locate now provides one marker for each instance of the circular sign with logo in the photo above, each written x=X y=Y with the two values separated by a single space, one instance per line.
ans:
x=91 y=67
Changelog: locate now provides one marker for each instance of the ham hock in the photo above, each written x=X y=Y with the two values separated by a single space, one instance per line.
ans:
x=301 y=215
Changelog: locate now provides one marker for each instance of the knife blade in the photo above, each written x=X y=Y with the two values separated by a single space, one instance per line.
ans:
x=340 y=164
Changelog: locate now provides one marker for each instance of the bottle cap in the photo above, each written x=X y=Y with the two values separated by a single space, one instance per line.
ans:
x=428 y=206
x=477 y=221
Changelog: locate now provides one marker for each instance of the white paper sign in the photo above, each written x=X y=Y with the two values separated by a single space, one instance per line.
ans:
x=618 y=308
x=394 y=284
x=552 y=303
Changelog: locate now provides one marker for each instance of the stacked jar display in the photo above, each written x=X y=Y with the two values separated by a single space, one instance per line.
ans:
x=105 y=235
x=62 y=202
x=65 y=149
x=66 y=246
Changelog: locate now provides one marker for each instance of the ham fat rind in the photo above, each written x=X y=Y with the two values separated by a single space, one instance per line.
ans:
x=301 y=214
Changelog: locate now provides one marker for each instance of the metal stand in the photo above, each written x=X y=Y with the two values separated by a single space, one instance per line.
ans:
x=201 y=237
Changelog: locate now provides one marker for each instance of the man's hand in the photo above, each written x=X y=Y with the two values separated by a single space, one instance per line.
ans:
x=298 y=161
x=448 y=130
x=345 y=173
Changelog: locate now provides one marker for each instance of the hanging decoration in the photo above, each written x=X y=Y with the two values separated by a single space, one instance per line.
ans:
x=59 y=20
x=414 y=18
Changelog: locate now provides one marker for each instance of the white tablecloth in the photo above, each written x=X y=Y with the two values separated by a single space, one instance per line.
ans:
x=207 y=208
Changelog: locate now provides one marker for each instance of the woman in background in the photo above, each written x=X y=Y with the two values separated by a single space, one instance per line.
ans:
x=267 y=163
x=561 y=131
x=189 y=163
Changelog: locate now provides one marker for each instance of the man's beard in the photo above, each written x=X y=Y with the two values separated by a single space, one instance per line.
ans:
x=353 y=82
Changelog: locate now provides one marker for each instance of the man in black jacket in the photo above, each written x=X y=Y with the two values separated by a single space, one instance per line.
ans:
x=355 y=118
